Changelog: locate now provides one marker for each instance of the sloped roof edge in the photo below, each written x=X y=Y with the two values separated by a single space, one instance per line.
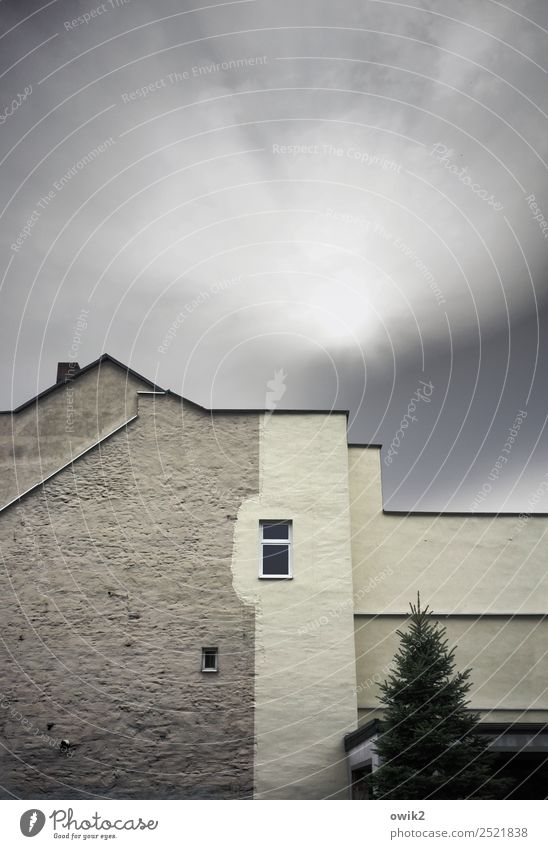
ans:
x=70 y=462
x=102 y=359
x=108 y=358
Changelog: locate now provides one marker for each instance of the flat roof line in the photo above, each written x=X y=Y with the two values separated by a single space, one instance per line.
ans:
x=455 y=615
x=374 y=726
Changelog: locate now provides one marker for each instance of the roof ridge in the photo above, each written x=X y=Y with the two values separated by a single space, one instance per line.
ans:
x=103 y=358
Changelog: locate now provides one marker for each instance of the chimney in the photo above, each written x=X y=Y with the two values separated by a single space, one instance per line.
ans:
x=66 y=371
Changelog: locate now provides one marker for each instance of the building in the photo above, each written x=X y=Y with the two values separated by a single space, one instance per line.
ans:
x=200 y=604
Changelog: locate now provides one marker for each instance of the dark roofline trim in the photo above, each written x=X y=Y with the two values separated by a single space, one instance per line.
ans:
x=277 y=412
x=374 y=726
x=155 y=388
x=361 y=734
x=245 y=411
x=455 y=615
x=462 y=513
x=103 y=358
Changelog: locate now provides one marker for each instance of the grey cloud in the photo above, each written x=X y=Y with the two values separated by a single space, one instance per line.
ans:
x=363 y=247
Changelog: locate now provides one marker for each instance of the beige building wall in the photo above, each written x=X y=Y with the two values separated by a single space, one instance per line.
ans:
x=508 y=659
x=463 y=566
x=304 y=647
x=48 y=433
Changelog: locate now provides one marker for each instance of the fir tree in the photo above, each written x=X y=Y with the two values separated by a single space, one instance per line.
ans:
x=429 y=748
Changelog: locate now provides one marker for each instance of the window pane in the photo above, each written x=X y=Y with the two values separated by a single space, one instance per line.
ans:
x=275 y=560
x=209 y=659
x=275 y=530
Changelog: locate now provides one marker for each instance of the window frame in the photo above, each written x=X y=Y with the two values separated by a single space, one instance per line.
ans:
x=210 y=650
x=285 y=541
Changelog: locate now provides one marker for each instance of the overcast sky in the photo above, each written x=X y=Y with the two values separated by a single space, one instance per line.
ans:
x=344 y=199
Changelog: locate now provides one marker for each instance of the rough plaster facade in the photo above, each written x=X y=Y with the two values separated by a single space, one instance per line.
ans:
x=114 y=574
x=43 y=435
x=118 y=569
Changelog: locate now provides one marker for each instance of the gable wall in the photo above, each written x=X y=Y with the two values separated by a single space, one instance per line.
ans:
x=114 y=574
x=47 y=434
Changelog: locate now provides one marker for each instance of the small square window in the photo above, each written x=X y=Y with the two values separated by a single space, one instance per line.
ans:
x=275 y=549
x=210 y=660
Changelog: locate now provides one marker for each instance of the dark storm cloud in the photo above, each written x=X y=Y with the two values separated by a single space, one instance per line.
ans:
x=354 y=194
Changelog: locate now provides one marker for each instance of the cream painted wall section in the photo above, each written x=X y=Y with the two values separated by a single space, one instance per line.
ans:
x=460 y=564
x=464 y=564
x=508 y=659
x=305 y=689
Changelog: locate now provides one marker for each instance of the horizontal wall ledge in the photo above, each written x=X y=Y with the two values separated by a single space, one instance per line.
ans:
x=374 y=727
x=455 y=615
x=473 y=709
x=466 y=514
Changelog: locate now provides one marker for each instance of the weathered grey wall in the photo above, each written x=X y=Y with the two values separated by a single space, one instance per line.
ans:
x=45 y=435
x=114 y=574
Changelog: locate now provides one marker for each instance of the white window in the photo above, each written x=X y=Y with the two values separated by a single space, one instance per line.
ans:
x=275 y=549
x=210 y=659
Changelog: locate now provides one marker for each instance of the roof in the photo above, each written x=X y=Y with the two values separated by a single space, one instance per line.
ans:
x=374 y=727
x=153 y=388
x=107 y=358
x=104 y=358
